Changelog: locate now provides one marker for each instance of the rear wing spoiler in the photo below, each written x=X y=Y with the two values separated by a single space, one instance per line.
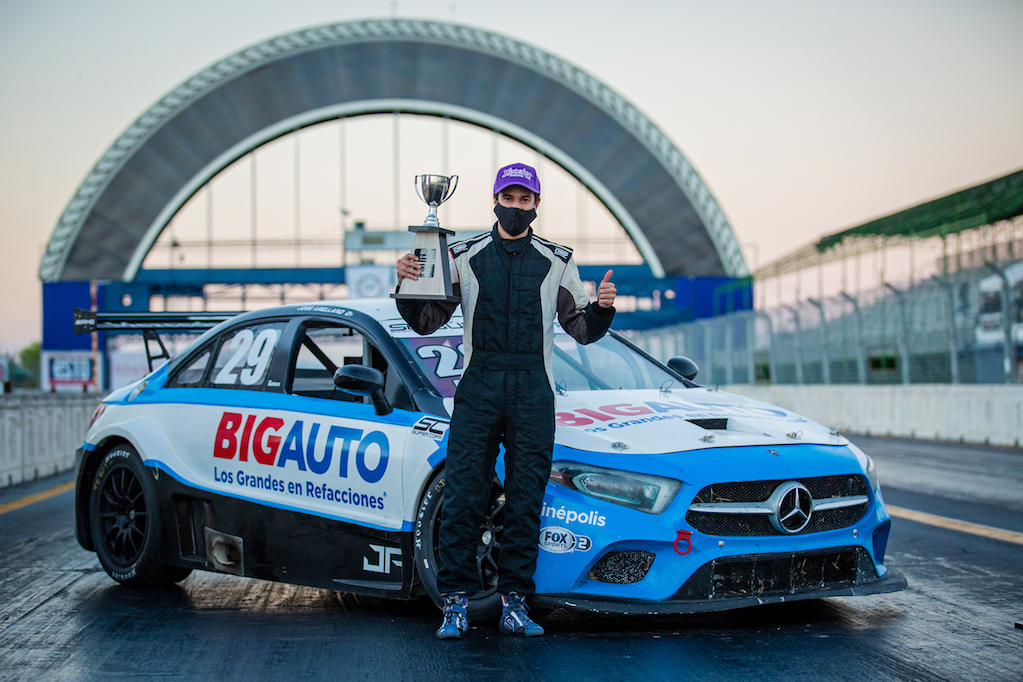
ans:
x=88 y=321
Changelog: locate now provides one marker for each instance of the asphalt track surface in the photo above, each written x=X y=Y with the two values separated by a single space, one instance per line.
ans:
x=62 y=618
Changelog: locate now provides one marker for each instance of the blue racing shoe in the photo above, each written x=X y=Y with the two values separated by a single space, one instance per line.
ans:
x=515 y=618
x=456 y=620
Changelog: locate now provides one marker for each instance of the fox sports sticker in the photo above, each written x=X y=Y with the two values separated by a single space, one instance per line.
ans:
x=557 y=540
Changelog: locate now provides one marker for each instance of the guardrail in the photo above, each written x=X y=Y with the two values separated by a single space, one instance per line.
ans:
x=39 y=433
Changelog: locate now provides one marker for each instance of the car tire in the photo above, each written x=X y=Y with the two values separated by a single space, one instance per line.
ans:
x=486 y=602
x=124 y=515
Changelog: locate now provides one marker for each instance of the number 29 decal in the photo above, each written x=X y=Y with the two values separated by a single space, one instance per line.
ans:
x=252 y=354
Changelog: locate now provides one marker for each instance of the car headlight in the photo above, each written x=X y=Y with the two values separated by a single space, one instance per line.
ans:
x=100 y=409
x=643 y=492
x=141 y=386
x=871 y=473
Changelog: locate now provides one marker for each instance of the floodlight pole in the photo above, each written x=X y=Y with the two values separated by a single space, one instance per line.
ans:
x=708 y=351
x=799 y=344
x=953 y=340
x=729 y=350
x=861 y=345
x=751 y=337
x=1007 y=346
x=825 y=360
x=771 y=368
x=900 y=296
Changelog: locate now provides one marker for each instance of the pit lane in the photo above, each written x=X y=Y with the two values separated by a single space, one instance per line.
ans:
x=61 y=617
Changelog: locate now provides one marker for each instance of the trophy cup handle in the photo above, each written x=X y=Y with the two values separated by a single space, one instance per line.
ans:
x=451 y=187
x=419 y=191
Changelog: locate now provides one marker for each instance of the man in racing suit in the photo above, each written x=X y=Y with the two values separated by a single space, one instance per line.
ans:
x=511 y=284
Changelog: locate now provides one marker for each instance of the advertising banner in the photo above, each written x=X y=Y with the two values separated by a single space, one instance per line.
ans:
x=68 y=371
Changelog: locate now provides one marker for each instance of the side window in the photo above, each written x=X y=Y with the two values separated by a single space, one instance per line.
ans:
x=192 y=374
x=244 y=357
x=321 y=351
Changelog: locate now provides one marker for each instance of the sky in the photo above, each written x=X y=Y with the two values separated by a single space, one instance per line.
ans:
x=803 y=117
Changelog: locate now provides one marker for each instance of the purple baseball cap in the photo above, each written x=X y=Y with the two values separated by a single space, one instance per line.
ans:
x=517 y=174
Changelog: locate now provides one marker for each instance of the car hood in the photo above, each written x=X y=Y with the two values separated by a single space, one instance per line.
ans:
x=650 y=422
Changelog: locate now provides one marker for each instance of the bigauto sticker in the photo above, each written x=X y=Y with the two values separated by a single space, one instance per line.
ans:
x=342 y=468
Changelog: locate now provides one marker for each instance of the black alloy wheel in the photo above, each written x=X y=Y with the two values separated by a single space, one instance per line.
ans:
x=125 y=521
x=122 y=516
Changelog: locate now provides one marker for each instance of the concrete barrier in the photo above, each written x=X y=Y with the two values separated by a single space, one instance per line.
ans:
x=975 y=413
x=39 y=433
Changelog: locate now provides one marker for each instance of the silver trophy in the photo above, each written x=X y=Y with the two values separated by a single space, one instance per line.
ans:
x=435 y=190
x=430 y=245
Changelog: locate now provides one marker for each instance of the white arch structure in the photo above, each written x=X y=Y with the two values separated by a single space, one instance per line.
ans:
x=384 y=66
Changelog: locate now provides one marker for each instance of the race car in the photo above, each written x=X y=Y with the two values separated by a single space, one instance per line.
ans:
x=306 y=443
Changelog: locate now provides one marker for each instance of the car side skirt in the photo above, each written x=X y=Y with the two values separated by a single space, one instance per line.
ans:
x=206 y=531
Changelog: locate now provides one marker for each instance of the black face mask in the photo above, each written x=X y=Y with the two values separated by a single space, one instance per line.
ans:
x=515 y=221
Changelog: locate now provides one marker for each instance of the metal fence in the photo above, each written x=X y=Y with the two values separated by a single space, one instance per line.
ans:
x=924 y=334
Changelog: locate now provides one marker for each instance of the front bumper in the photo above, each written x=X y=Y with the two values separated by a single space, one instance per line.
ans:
x=739 y=582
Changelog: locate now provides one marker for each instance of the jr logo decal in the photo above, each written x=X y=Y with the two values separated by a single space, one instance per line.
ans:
x=385 y=558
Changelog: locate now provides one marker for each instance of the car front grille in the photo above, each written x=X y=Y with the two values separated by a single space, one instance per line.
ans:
x=758 y=491
x=730 y=525
x=744 y=525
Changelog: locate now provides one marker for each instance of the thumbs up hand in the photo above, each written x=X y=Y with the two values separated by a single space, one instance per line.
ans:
x=606 y=291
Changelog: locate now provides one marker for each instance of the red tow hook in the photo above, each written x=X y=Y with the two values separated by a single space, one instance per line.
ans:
x=683 y=535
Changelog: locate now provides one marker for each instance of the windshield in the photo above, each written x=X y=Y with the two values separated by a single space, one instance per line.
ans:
x=605 y=365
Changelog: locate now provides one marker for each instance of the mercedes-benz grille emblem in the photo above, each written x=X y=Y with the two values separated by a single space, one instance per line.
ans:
x=792 y=507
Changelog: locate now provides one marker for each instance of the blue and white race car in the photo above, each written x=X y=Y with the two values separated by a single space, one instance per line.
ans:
x=305 y=444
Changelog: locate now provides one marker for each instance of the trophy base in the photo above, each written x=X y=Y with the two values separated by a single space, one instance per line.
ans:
x=431 y=249
x=431 y=228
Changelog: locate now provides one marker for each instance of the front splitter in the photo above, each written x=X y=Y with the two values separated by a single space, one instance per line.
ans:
x=893 y=581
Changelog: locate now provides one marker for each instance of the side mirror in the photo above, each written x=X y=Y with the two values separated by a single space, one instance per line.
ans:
x=684 y=366
x=362 y=380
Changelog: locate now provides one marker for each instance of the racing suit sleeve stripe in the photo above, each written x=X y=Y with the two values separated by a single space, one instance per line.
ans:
x=585 y=321
x=453 y=268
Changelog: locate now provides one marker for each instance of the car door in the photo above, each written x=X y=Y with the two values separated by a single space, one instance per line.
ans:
x=344 y=456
